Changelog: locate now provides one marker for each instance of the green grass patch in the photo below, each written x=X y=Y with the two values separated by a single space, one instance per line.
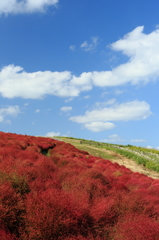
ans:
x=86 y=145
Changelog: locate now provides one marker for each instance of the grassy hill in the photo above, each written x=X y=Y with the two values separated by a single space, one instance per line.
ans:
x=148 y=159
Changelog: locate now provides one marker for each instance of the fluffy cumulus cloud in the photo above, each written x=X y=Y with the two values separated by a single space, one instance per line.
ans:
x=100 y=118
x=52 y=134
x=143 y=66
x=142 y=49
x=135 y=110
x=15 y=82
x=66 y=109
x=99 y=126
x=25 y=6
x=12 y=111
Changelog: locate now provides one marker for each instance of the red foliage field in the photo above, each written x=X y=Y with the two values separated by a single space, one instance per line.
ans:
x=51 y=190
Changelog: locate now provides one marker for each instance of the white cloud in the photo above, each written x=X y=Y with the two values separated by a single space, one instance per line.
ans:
x=83 y=82
x=15 y=82
x=72 y=47
x=99 y=126
x=37 y=110
x=113 y=138
x=25 y=6
x=52 y=134
x=66 y=109
x=90 y=46
x=128 y=111
x=12 y=111
x=143 y=66
x=138 y=140
x=144 y=58
x=157 y=148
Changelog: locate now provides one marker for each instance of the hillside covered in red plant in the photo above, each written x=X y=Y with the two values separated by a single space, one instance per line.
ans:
x=51 y=190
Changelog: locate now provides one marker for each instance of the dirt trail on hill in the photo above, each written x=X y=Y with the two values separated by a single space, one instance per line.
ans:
x=115 y=157
x=128 y=163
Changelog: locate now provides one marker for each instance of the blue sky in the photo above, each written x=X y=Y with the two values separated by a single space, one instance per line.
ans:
x=85 y=68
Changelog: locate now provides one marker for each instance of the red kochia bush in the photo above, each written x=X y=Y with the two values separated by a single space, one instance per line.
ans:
x=5 y=235
x=51 y=190
x=138 y=227
x=11 y=209
x=50 y=214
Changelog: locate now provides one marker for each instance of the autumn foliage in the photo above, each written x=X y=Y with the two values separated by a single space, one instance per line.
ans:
x=51 y=190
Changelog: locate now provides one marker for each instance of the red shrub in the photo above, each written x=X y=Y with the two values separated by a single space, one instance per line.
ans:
x=138 y=227
x=104 y=213
x=5 y=235
x=154 y=188
x=11 y=208
x=50 y=214
x=40 y=185
x=54 y=159
x=45 y=167
x=71 y=194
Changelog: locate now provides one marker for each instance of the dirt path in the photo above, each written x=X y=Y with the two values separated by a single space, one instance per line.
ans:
x=128 y=163
x=114 y=157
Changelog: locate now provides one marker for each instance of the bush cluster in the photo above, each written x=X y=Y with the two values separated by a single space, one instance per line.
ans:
x=51 y=190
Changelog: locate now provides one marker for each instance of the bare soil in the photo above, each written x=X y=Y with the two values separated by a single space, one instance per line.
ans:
x=132 y=165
